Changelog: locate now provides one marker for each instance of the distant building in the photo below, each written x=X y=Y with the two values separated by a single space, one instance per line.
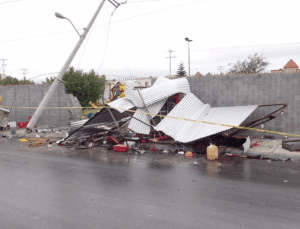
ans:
x=290 y=66
x=144 y=82
x=198 y=74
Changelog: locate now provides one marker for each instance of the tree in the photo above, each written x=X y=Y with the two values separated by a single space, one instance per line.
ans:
x=9 y=80
x=181 y=72
x=254 y=64
x=48 y=80
x=85 y=86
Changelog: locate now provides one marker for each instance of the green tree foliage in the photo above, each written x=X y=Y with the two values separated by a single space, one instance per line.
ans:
x=254 y=64
x=85 y=86
x=14 y=81
x=181 y=72
x=48 y=80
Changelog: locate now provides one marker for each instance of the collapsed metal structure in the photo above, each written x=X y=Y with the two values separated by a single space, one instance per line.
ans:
x=147 y=104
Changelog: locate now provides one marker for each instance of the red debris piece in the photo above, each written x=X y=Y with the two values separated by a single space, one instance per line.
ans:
x=158 y=139
x=113 y=140
x=153 y=149
x=120 y=148
x=141 y=139
x=22 y=124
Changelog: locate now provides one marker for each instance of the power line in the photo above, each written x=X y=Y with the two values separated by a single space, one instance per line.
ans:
x=107 y=33
x=85 y=47
x=10 y=1
x=141 y=15
x=43 y=75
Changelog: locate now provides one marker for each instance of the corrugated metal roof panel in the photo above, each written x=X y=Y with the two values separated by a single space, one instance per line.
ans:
x=140 y=127
x=123 y=103
x=190 y=107
x=158 y=92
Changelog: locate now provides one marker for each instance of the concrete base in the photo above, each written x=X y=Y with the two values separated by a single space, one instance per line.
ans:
x=292 y=146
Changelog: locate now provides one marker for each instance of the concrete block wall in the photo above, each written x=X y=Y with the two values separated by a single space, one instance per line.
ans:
x=31 y=96
x=260 y=89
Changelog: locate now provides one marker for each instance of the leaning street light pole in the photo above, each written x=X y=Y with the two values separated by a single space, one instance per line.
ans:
x=188 y=40
x=56 y=82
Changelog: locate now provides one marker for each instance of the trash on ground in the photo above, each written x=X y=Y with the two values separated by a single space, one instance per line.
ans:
x=212 y=152
x=246 y=145
x=12 y=124
x=4 y=113
x=189 y=154
x=181 y=153
x=230 y=154
x=120 y=148
x=23 y=140
x=34 y=142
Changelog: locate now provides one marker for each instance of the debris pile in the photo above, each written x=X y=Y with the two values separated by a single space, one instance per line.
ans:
x=135 y=116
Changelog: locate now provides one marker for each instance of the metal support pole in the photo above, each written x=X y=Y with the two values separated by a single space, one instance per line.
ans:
x=56 y=82
x=150 y=118
x=112 y=116
x=189 y=59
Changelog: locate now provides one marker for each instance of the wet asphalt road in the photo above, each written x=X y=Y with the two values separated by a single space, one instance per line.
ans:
x=100 y=189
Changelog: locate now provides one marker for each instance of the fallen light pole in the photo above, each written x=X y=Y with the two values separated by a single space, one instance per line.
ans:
x=56 y=82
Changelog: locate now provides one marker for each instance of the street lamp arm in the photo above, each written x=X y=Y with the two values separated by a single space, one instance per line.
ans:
x=74 y=27
x=58 y=15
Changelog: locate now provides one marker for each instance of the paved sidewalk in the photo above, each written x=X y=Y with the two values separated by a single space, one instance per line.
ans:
x=266 y=148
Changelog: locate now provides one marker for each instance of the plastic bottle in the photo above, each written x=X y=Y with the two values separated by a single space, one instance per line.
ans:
x=212 y=152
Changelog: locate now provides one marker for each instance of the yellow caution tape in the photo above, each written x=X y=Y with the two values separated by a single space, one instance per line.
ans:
x=165 y=116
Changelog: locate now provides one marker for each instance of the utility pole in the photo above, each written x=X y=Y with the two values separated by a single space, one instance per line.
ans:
x=24 y=72
x=170 y=57
x=3 y=65
x=221 y=68
x=56 y=82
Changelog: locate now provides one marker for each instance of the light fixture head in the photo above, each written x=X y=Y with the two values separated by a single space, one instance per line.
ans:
x=58 y=15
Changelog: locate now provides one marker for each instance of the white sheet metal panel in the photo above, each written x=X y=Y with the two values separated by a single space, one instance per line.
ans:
x=122 y=103
x=158 y=92
x=4 y=113
x=160 y=80
x=190 y=107
x=154 y=97
x=140 y=127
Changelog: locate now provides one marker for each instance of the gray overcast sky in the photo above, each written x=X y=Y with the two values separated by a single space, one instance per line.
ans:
x=142 y=31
